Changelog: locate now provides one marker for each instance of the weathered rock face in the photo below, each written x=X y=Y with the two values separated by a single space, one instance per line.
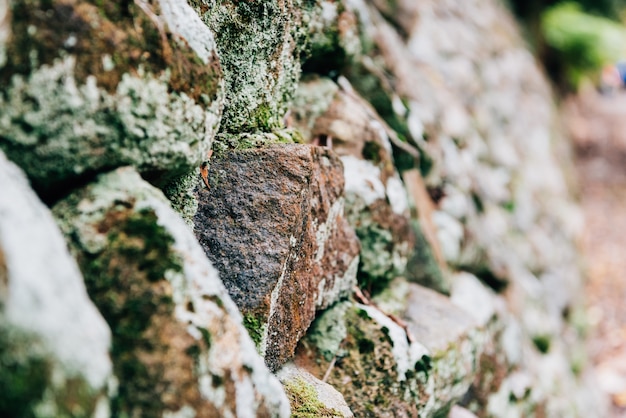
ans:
x=381 y=371
x=100 y=86
x=376 y=201
x=259 y=44
x=179 y=346
x=272 y=223
x=53 y=342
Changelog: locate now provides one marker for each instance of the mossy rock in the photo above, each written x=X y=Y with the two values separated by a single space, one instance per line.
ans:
x=90 y=86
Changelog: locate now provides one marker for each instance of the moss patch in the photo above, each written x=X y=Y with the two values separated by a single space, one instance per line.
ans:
x=224 y=143
x=25 y=374
x=258 y=43
x=27 y=384
x=304 y=401
x=154 y=357
x=255 y=325
x=108 y=39
x=542 y=343
x=366 y=361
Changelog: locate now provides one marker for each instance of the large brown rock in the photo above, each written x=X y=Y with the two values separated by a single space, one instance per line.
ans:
x=272 y=223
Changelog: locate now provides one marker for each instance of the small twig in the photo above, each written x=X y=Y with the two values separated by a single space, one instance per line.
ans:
x=360 y=297
x=329 y=369
x=204 y=170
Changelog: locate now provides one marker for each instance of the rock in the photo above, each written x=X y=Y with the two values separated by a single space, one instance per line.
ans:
x=309 y=395
x=179 y=346
x=106 y=85
x=422 y=266
x=272 y=223
x=53 y=341
x=376 y=202
x=383 y=372
x=259 y=44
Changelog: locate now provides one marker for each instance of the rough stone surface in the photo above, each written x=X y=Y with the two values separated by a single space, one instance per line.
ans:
x=179 y=346
x=100 y=86
x=53 y=341
x=376 y=202
x=272 y=223
x=379 y=370
x=259 y=43
x=309 y=395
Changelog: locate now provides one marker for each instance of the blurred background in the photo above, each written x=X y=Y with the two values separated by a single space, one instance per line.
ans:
x=582 y=46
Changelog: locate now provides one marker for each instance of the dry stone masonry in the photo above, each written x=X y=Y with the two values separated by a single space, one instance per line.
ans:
x=264 y=208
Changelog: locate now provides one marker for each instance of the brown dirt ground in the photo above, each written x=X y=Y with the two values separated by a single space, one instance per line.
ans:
x=597 y=125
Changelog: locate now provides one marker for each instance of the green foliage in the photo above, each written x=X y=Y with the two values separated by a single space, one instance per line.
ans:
x=584 y=42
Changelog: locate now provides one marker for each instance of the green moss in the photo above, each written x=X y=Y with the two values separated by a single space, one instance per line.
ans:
x=96 y=30
x=181 y=196
x=258 y=43
x=367 y=360
x=422 y=267
x=509 y=206
x=424 y=365
x=542 y=343
x=224 y=143
x=325 y=55
x=255 y=325
x=27 y=385
x=25 y=374
x=376 y=267
x=304 y=401
x=126 y=280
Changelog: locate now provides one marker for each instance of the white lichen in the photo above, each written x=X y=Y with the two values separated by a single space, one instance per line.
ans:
x=142 y=124
x=46 y=295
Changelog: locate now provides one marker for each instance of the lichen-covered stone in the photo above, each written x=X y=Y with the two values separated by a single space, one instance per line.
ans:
x=311 y=397
x=333 y=38
x=379 y=369
x=272 y=223
x=89 y=87
x=259 y=43
x=179 y=346
x=376 y=202
x=54 y=343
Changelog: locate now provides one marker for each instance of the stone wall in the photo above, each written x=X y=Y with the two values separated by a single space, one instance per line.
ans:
x=219 y=208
